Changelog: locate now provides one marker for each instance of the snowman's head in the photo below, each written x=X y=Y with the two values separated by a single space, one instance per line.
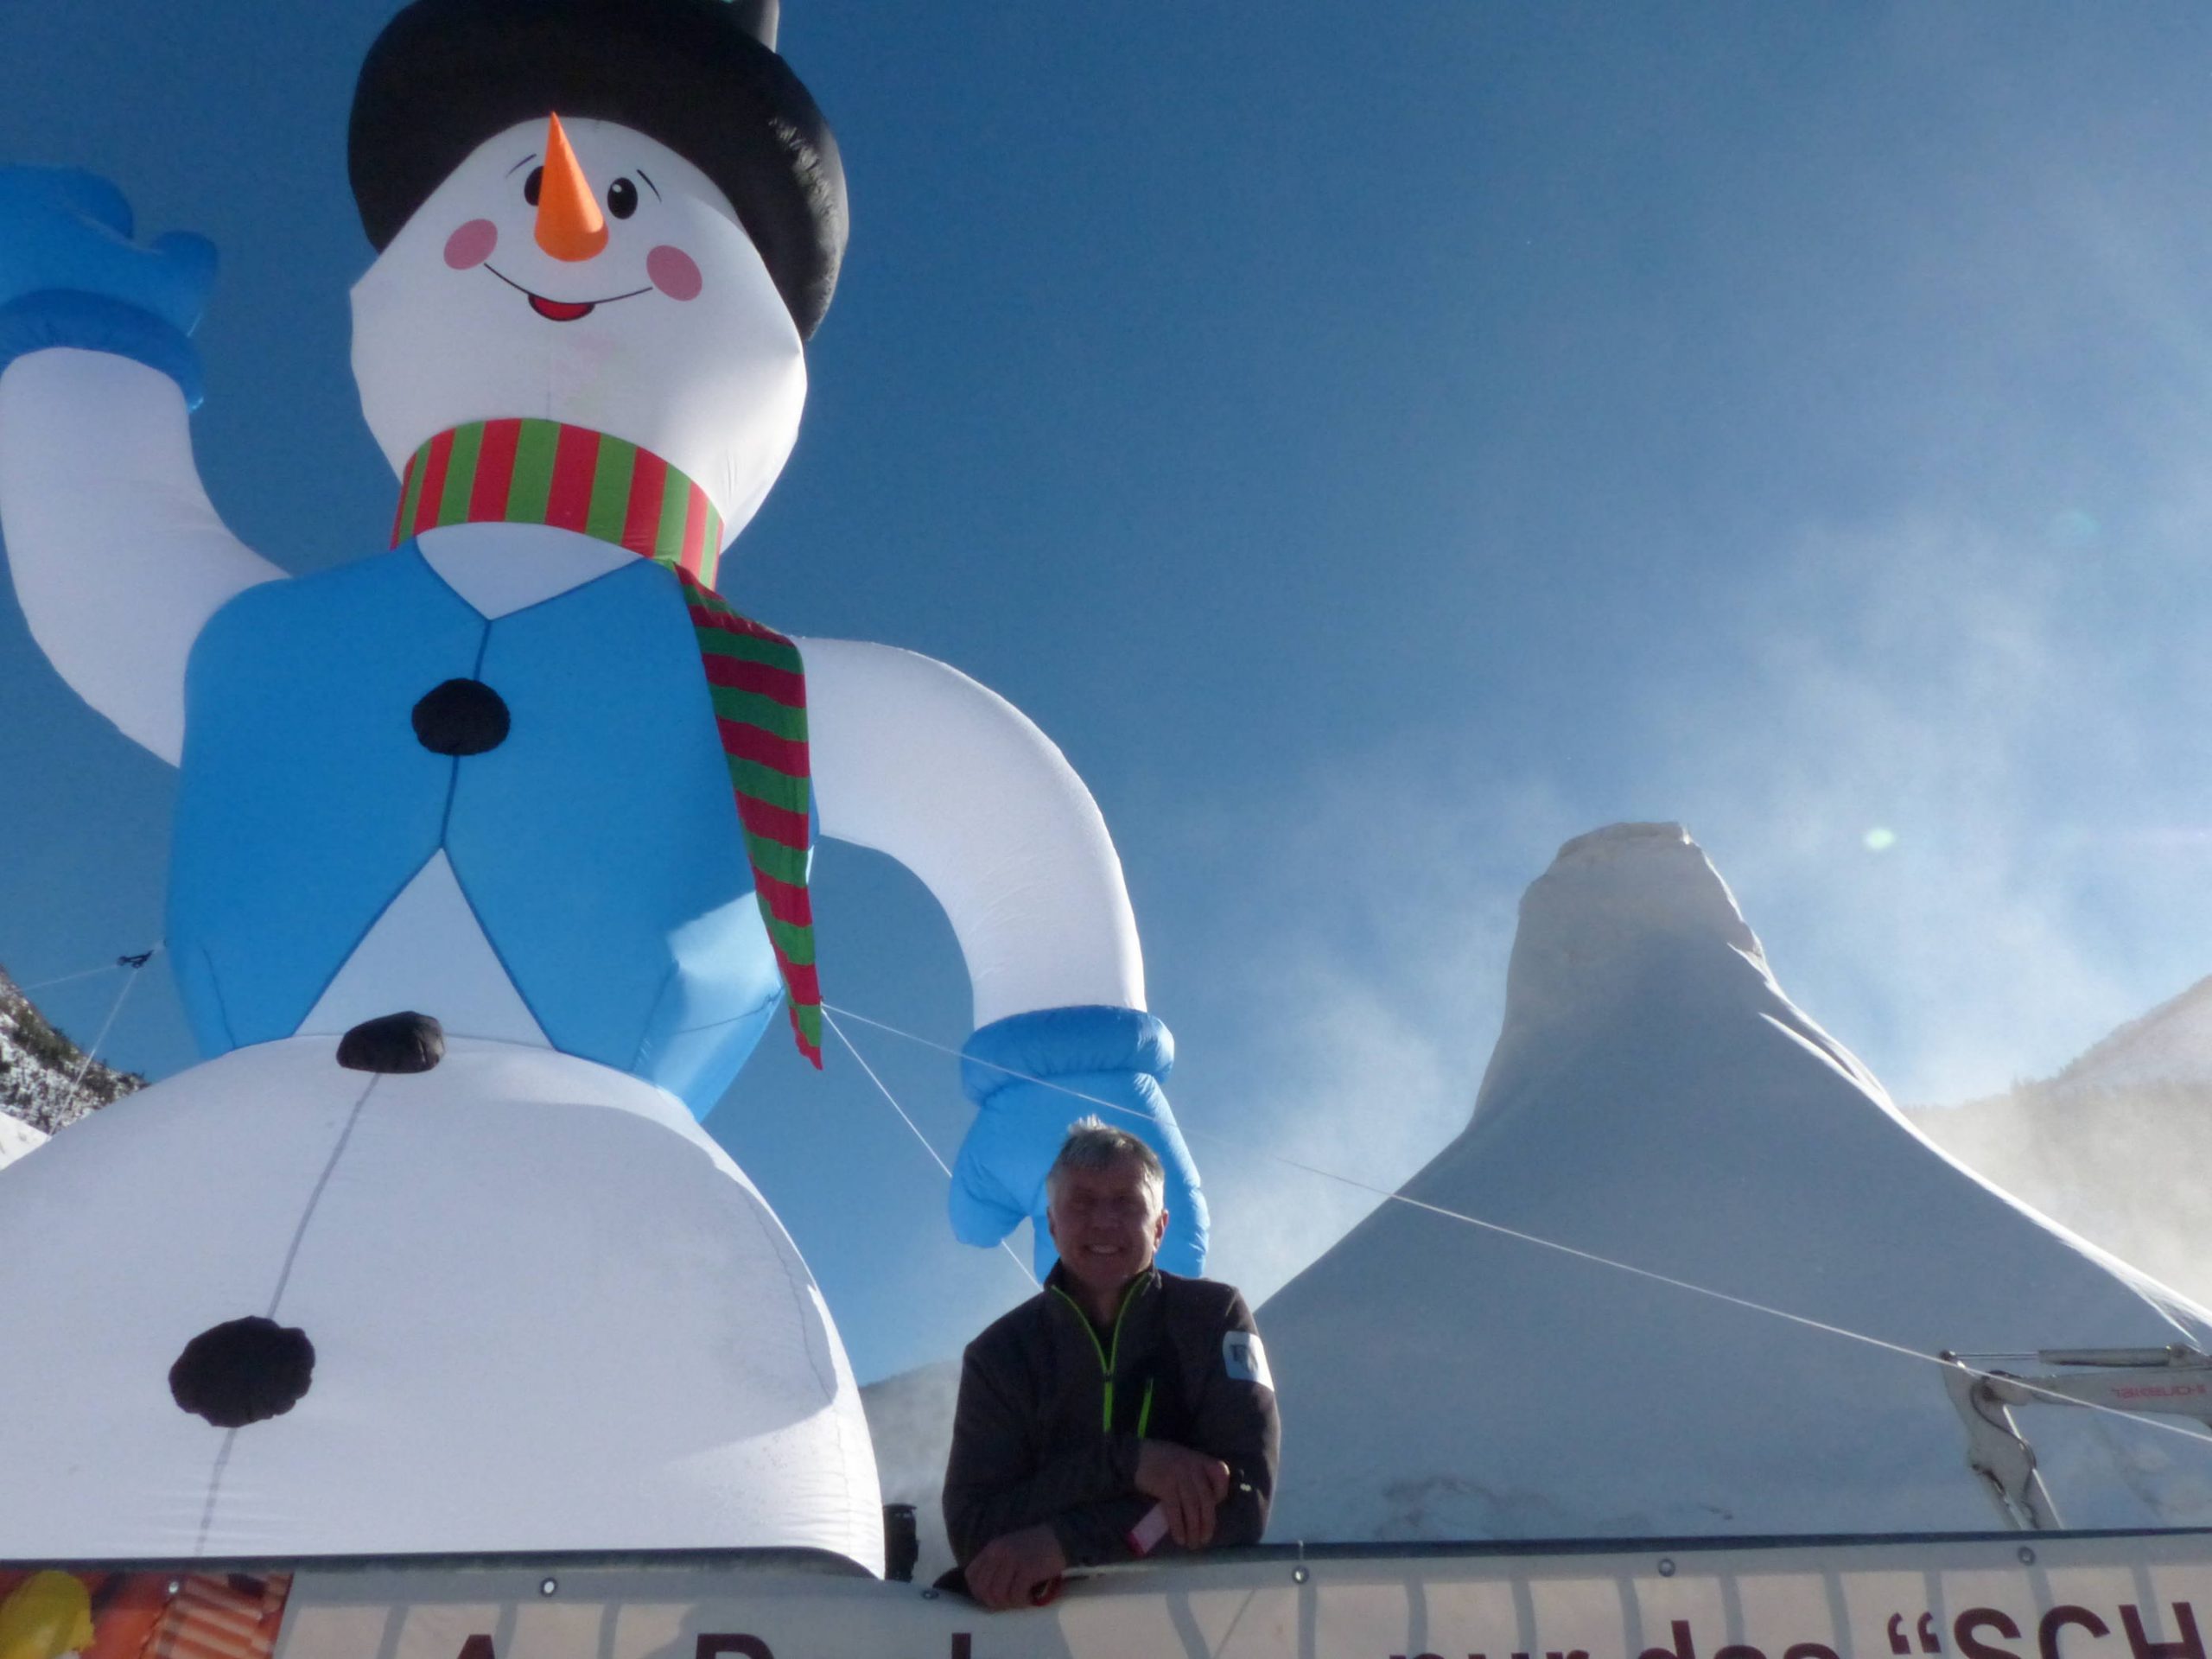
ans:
x=586 y=273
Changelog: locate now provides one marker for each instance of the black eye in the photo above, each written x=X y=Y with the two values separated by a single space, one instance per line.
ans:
x=531 y=185
x=621 y=198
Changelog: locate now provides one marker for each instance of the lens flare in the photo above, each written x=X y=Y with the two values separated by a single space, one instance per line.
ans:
x=2074 y=528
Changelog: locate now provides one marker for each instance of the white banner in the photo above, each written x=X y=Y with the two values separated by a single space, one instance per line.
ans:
x=2023 y=1596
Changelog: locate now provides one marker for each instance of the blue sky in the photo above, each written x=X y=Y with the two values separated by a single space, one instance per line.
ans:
x=1377 y=444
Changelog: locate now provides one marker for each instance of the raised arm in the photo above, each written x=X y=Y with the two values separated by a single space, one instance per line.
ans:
x=117 y=557
x=915 y=760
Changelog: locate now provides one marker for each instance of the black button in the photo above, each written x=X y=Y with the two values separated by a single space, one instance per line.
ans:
x=244 y=1371
x=461 y=717
x=397 y=1045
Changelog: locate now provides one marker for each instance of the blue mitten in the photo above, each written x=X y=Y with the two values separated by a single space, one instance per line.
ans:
x=70 y=274
x=1117 y=1057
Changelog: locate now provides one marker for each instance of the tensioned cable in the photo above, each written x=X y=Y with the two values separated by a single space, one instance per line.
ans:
x=134 y=962
x=85 y=1062
x=1592 y=1256
x=1012 y=1254
x=64 y=979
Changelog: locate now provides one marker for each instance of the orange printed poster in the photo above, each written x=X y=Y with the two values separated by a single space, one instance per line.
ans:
x=49 y=1614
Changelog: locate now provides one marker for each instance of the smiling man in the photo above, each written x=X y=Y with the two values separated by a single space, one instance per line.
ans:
x=1119 y=1409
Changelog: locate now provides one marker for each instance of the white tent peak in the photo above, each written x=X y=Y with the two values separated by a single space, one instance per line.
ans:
x=1632 y=933
x=1617 y=906
x=1637 y=879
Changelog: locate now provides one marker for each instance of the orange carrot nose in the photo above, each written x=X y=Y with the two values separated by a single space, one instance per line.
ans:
x=569 y=224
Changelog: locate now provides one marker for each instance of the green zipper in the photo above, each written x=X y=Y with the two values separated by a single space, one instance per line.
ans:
x=1106 y=1362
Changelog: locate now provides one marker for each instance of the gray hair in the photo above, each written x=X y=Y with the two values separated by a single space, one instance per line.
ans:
x=1093 y=1143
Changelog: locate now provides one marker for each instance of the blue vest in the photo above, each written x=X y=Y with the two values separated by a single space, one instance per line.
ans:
x=599 y=844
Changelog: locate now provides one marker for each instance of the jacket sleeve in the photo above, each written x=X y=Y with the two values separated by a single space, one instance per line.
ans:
x=1236 y=1423
x=994 y=1484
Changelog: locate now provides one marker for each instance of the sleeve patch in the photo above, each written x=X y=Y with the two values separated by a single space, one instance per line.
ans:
x=1245 y=1359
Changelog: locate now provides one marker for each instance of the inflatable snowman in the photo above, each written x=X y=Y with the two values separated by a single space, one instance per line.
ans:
x=491 y=849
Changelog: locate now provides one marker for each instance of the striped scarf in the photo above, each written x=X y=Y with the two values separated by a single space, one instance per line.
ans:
x=532 y=471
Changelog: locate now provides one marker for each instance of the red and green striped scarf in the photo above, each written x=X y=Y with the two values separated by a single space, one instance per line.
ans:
x=531 y=472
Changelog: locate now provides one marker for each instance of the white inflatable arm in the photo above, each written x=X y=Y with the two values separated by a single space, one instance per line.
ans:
x=117 y=555
x=915 y=760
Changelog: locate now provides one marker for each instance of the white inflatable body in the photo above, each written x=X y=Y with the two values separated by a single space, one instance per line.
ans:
x=547 y=1312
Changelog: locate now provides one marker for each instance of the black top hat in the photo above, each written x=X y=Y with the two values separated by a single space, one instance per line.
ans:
x=701 y=76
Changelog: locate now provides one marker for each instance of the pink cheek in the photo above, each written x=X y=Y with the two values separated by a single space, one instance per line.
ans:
x=472 y=243
x=674 y=273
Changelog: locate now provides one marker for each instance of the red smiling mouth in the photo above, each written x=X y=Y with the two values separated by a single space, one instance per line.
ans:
x=564 y=310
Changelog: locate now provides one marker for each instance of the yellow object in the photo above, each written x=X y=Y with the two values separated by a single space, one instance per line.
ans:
x=49 y=1614
x=569 y=224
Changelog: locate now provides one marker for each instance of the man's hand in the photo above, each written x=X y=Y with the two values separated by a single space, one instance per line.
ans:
x=1188 y=1484
x=1009 y=1570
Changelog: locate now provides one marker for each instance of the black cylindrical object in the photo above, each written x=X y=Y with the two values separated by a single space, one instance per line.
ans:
x=901 y=1547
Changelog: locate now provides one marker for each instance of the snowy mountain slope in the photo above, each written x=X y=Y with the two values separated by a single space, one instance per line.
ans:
x=1655 y=1098
x=44 y=1081
x=2171 y=1045
x=2114 y=1145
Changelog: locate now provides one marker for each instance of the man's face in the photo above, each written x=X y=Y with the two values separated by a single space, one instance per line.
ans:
x=1105 y=1225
